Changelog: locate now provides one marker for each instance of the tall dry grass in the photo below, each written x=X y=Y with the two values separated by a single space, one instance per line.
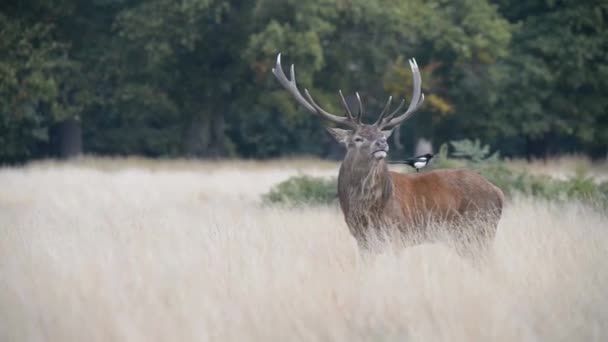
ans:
x=188 y=254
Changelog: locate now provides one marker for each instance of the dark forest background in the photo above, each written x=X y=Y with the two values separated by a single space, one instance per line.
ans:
x=191 y=78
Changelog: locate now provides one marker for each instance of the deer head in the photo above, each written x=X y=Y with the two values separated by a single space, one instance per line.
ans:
x=364 y=142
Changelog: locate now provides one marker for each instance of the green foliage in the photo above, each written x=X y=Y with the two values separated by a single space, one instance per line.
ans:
x=548 y=92
x=473 y=150
x=36 y=87
x=162 y=78
x=474 y=155
x=303 y=190
x=306 y=190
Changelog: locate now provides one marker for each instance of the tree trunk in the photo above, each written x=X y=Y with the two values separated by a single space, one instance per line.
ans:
x=205 y=137
x=194 y=137
x=528 y=149
x=66 y=138
x=397 y=139
x=217 y=145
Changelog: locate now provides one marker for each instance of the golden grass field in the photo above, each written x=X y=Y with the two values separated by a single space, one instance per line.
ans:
x=136 y=250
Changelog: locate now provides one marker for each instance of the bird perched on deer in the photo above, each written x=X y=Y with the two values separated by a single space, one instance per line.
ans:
x=417 y=162
x=374 y=199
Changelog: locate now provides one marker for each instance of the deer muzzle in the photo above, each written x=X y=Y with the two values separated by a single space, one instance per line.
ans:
x=380 y=149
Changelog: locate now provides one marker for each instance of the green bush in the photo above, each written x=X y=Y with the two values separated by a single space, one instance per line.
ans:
x=466 y=154
x=473 y=155
x=306 y=190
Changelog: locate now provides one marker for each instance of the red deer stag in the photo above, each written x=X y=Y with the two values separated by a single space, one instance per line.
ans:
x=373 y=198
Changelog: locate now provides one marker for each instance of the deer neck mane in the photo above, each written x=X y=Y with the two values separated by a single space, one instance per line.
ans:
x=363 y=184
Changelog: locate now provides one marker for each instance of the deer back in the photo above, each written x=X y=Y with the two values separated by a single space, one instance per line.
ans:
x=446 y=195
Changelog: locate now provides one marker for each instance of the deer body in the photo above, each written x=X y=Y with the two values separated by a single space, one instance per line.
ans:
x=409 y=202
x=374 y=199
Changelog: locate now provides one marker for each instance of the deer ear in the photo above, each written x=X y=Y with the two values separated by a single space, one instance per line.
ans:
x=341 y=135
x=388 y=132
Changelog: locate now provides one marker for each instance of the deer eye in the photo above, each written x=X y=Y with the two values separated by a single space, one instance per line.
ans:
x=358 y=139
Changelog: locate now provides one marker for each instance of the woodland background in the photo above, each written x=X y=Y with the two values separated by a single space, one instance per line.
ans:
x=192 y=78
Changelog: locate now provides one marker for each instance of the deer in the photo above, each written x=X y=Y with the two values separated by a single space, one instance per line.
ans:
x=374 y=199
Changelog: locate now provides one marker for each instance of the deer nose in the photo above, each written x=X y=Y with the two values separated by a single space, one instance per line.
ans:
x=382 y=145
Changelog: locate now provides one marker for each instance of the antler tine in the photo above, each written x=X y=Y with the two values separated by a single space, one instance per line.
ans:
x=360 y=113
x=310 y=105
x=386 y=107
x=416 y=102
x=348 y=112
x=342 y=120
x=397 y=110
x=417 y=92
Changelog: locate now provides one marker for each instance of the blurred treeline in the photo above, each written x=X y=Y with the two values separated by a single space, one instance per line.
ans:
x=192 y=77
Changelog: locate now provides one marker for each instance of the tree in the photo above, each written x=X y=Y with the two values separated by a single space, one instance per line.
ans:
x=551 y=88
x=182 y=61
x=192 y=78
x=37 y=87
x=363 y=45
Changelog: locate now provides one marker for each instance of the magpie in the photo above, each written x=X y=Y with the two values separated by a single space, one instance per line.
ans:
x=417 y=162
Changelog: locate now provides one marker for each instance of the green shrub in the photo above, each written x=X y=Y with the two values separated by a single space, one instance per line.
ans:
x=466 y=154
x=306 y=190
x=471 y=154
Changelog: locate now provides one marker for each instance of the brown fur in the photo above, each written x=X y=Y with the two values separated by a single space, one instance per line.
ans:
x=374 y=199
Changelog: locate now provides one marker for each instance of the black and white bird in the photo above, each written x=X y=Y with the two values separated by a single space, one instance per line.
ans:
x=417 y=162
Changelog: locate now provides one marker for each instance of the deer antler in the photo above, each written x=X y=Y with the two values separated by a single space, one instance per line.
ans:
x=417 y=100
x=310 y=104
x=349 y=120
